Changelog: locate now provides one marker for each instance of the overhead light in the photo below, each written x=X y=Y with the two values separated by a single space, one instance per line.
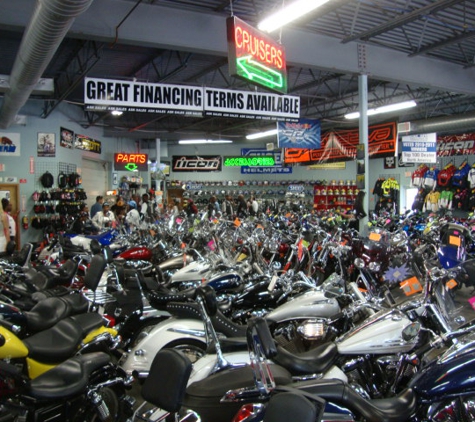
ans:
x=383 y=109
x=117 y=113
x=205 y=141
x=262 y=134
x=289 y=13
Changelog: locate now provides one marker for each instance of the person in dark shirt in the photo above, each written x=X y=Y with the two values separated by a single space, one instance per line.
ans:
x=97 y=206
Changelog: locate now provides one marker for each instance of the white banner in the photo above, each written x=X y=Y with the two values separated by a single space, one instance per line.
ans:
x=127 y=96
x=419 y=148
x=251 y=105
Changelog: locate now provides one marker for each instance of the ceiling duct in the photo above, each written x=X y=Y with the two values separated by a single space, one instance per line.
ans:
x=444 y=125
x=48 y=26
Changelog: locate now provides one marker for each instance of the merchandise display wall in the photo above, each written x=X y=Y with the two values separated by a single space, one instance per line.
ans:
x=18 y=167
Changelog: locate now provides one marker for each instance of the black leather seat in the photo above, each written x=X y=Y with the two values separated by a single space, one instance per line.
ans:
x=70 y=378
x=61 y=275
x=285 y=407
x=60 y=342
x=314 y=361
x=46 y=313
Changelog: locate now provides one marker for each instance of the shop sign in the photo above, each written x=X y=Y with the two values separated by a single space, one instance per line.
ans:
x=456 y=145
x=342 y=146
x=277 y=168
x=10 y=144
x=202 y=163
x=87 y=144
x=302 y=134
x=328 y=166
x=109 y=95
x=419 y=148
x=257 y=161
x=130 y=162
x=255 y=57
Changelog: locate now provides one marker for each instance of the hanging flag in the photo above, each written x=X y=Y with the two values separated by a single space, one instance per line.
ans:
x=305 y=133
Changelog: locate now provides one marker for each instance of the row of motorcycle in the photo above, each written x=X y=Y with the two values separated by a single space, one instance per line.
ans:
x=227 y=320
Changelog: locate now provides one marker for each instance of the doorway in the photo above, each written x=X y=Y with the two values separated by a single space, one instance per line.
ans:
x=12 y=193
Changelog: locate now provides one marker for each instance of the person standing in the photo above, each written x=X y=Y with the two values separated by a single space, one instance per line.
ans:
x=7 y=208
x=103 y=219
x=241 y=210
x=227 y=206
x=4 y=231
x=133 y=216
x=253 y=206
x=97 y=206
x=146 y=209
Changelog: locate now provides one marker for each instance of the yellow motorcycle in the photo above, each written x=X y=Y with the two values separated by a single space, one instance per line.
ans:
x=71 y=336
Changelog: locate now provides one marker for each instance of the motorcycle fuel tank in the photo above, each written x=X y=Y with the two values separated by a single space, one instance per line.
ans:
x=380 y=334
x=310 y=304
x=137 y=252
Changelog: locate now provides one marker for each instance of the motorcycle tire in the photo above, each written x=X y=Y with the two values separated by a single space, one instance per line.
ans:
x=193 y=349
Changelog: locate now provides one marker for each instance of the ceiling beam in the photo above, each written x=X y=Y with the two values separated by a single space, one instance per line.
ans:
x=402 y=20
x=180 y=29
x=448 y=41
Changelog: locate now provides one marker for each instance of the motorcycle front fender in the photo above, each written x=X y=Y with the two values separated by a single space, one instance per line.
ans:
x=139 y=358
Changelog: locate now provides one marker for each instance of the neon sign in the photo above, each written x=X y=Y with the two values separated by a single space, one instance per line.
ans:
x=130 y=162
x=259 y=161
x=255 y=57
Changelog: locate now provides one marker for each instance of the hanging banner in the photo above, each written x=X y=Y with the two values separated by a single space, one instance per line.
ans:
x=456 y=145
x=10 y=144
x=342 y=145
x=277 y=168
x=419 y=148
x=251 y=105
x=202 y=163
x=87 y=144
x=128 y=96
x=302 y=134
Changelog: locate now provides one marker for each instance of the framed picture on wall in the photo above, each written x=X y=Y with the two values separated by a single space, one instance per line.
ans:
x=46 y=144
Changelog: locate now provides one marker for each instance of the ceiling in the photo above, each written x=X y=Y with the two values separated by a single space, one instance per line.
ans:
x=411 y=49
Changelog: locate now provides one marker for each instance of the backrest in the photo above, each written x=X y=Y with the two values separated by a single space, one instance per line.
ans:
x=284 y=407
x=165 y=385
x=94 y=272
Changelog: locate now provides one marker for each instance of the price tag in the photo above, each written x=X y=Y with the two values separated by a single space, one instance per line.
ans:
x=271 y=285
x=411 y=286
x=451 y=284
x=375 y=236
x=454 y=240
x=237 y=222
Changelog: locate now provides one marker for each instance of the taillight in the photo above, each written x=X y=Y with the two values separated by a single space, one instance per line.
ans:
x=248 y=412
x=110 y=320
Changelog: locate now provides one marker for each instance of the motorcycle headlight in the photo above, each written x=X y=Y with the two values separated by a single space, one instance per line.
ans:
x=312 y=329
x=359 y=263
x=374 y=266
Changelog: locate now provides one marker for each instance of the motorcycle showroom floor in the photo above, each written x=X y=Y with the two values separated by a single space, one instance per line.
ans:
x=463 y=308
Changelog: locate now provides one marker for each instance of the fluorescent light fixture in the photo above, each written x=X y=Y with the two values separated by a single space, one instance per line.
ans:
x=262 y=134
x=117 y=113
x=289 y=13
x=383 y=109
x=205 y=141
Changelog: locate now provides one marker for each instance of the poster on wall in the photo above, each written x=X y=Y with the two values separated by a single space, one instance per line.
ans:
x=420 y=148
x=66 y=138
x=305 y=133
x=342 y=145
x=46 y=144
x=10 y=144
x=87 y=144
x=389 y=163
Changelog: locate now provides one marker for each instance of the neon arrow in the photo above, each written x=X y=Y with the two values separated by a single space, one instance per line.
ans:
x=131 y=166
x=256 y=70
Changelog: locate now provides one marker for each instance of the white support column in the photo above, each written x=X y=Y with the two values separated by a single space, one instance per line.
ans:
x=363 y=132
